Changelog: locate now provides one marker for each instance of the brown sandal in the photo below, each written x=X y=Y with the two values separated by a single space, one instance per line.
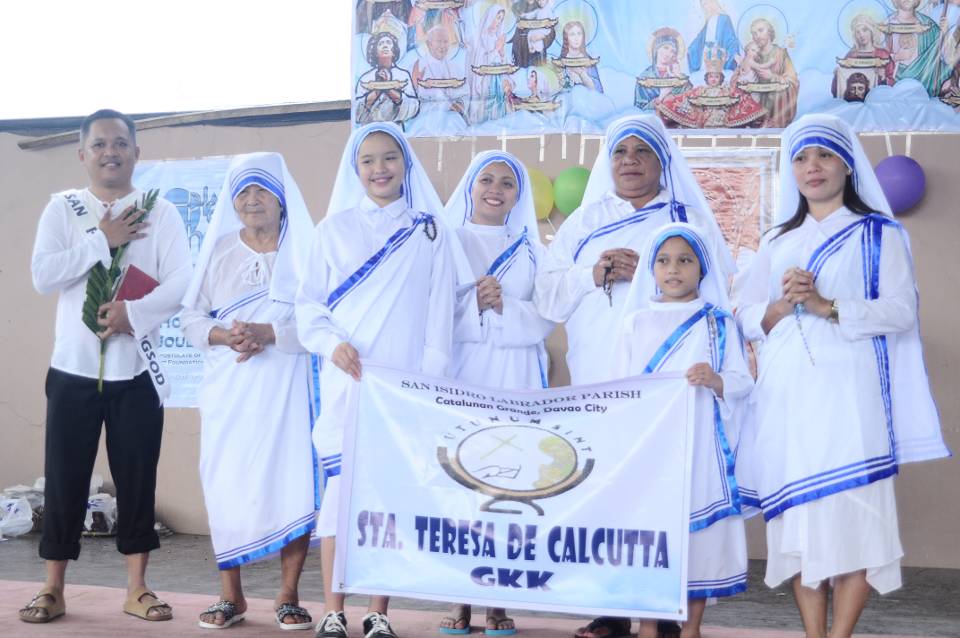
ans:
x=135 y=605
x=51 y=608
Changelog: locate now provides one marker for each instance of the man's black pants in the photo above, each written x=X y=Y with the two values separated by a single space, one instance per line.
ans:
x=76 y=412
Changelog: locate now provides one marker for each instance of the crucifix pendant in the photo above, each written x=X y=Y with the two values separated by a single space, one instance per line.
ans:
x=608 y=285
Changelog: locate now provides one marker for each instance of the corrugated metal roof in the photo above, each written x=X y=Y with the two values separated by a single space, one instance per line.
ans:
x=54 y=131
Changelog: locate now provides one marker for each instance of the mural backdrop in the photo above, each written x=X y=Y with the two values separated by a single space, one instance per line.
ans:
x=491 y=67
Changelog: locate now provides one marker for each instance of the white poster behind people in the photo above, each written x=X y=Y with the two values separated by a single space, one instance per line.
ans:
x=192 y=186
x=568 y=499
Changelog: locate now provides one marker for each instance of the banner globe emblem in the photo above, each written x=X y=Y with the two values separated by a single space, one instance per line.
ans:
x=517 y=462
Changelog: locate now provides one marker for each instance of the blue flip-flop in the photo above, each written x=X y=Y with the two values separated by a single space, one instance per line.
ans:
x=453 y=631
x=500 y=632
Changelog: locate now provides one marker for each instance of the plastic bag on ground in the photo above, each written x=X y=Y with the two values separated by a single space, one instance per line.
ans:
x=101 y=518
x=16 y=517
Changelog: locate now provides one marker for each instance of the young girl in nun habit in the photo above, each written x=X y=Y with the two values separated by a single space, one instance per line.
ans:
x=677 y=319
x=498 y=334
x=842 y=397
x=379 y=286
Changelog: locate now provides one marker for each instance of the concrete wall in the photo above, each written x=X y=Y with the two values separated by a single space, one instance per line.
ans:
x=929 y=494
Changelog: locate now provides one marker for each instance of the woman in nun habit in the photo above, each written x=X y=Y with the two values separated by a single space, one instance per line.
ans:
x=640 y=181
x=842 y=396
x=498 y=334
x=256 y=397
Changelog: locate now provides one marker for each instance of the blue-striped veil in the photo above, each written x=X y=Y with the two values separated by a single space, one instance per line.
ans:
x=713 y=285
x=348 y=192
x=676 y=179
x=833 y=134
x=459 y=207
x=269 y=171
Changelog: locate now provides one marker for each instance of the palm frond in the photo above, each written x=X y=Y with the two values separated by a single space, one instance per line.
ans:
x=102 y=281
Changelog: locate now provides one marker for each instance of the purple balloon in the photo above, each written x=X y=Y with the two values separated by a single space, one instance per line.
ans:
x=902 y=181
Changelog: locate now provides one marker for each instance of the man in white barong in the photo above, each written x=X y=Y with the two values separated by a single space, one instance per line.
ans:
x=842 y=396
x=258 y=392
x=498 y=334
x=78 y=229
x=639 y=182
x=379 y=285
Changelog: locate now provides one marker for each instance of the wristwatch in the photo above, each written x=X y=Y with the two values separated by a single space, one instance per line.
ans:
x=834 y=316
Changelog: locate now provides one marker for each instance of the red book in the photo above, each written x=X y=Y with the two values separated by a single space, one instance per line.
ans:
x=134 y=284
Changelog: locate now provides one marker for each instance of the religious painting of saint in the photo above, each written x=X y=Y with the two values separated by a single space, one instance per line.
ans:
x=913 y=39
x=716 y=35
x=578 y=67
x=856 y=87
x=715 y=105
x=665 y=74
x=385 y=93
x=369 y=11
x=439 y=80
x=539 y=96
x=488 y=66
x=535 y=32
x=866 y=63
x=766 y=70
x=427 y=14
x=950 y=89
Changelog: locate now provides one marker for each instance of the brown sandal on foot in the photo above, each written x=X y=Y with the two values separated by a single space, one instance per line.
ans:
x=135 y=605
x=48 y=604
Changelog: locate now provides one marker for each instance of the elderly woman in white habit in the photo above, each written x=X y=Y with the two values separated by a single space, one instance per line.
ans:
x=256 y=400
x=498 y=334
x=842 y=397
x=639 y=182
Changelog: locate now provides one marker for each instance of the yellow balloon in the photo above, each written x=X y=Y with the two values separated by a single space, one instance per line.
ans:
x=542 y=192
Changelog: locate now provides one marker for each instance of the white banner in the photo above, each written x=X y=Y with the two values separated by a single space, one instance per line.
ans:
x=568 y=499
x=192 y=186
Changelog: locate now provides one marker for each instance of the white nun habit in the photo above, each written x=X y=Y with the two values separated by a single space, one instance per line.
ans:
x=565 y=289
x=499 y=350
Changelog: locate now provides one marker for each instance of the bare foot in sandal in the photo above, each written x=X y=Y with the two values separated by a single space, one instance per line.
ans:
x=223 y=613
x=46 y=605
x=144 y=604
x=457 y=622
x=290 y=615
x=498 y=623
